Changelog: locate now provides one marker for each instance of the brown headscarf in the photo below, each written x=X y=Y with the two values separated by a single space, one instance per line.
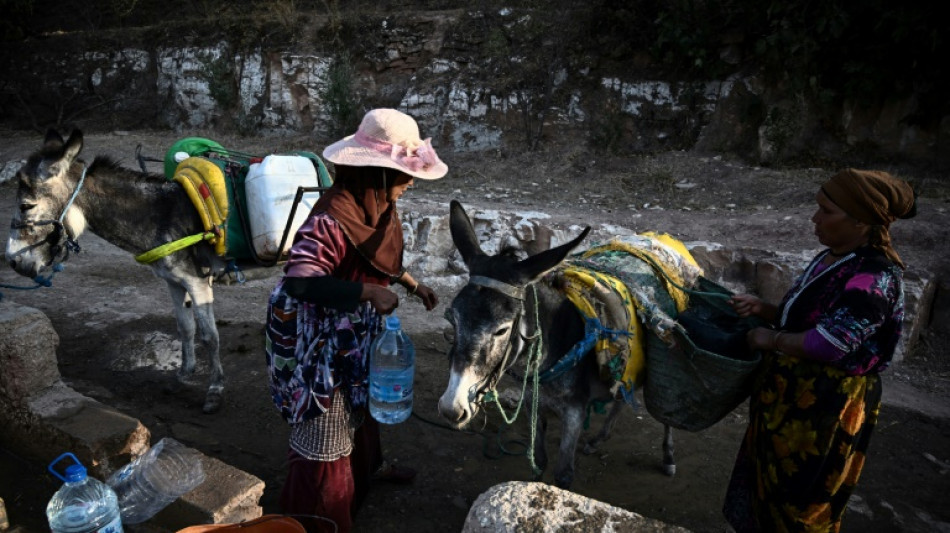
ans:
x=358 y=202
x=876 y=198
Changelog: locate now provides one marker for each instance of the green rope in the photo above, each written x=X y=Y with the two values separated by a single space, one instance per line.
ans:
x=532 y=368
x=501 y=445
x=487 y=439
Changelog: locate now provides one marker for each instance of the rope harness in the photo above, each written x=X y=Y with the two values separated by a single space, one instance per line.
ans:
x=488 y=392
x=58 y=239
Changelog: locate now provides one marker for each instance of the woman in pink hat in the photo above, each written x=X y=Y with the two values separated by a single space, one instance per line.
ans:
x=325 y=312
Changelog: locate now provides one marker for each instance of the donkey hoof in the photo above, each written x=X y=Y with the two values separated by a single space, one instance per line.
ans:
x=589 y=449
x=669 y=470
x=212 y=403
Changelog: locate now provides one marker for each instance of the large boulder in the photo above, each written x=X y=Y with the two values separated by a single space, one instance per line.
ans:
x=518 y=506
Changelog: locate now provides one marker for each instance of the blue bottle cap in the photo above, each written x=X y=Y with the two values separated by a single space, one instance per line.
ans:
x=75 y=473
x=392 y=322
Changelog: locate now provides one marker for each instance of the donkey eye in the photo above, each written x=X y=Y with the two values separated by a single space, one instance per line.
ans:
x=501 y=331
x=26 y=207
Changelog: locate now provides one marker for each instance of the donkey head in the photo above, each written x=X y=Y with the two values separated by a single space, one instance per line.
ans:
x=486 y=315
x=38 y=231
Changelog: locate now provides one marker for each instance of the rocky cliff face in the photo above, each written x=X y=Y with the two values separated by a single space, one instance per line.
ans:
x=438 y=67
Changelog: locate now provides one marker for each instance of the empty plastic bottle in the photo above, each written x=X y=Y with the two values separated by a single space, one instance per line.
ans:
x=83 y=504
x=391 y=367
x=160 y=476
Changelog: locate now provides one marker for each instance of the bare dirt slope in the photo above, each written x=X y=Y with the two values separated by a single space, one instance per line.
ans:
x=109 y=311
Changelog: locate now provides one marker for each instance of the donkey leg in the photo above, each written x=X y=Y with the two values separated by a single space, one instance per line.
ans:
x=186 y=329
x=615 y=408
x=572 y=424
x=208 y=333
x=669 y=465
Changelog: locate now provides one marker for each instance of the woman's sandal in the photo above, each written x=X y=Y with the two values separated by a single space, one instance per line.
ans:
x=390 y=473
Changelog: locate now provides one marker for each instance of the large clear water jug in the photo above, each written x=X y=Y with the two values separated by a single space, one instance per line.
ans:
x=83 y=504
x=392 y=364
x=154 y=480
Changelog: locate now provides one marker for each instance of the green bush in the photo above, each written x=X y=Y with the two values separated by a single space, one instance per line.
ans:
x=340 y=99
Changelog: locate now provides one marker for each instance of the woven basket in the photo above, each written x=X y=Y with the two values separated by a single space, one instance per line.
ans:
x=688 y=387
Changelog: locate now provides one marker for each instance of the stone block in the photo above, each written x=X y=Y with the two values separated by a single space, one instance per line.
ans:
x=27 y=353
x=920 y=289
x=58 y=420
x=226 y=496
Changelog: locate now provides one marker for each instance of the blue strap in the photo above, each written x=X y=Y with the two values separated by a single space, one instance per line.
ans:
x=593 y=331
x=629 y=395
x=41 y=281
x=239 y=274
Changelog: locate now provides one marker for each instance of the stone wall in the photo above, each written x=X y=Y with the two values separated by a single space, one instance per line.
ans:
x=427 y=65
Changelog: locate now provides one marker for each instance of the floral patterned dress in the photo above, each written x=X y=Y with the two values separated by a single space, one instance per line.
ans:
x=312 y=350
x=810 y=421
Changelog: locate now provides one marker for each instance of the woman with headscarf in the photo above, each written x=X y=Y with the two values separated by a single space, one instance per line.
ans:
x=817 y=398
x=327 y=310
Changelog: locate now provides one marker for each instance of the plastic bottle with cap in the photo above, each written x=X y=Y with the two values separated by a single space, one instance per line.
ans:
x=83 y=504
x=391 y=367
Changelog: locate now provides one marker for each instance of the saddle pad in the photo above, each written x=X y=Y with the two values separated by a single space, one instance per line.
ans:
x=204 y=183
x=627 y=284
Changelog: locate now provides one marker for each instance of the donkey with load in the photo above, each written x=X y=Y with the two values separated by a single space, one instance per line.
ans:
x=180 y=227
x=591 y=329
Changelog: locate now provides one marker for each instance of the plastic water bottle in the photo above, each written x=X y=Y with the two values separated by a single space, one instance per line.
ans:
x=391 y=367
x=83 y=504
x=153 y=481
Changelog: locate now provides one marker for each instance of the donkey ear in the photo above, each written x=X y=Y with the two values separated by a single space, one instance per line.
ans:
x=463 y=234
x=537 y=265
x=53 y=140
x=73 y=146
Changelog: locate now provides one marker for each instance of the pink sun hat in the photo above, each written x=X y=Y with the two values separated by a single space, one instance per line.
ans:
x=388 y=138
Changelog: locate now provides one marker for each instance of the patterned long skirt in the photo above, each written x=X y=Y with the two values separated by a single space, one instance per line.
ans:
x=804 y=449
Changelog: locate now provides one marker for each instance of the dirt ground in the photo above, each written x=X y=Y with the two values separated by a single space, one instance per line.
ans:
x=110 y=313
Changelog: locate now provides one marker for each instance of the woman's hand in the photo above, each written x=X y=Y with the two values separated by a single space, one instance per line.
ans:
x=427 y=295
x=747 y=305
x=761 y=339
x=414 y=288
x=382 y=299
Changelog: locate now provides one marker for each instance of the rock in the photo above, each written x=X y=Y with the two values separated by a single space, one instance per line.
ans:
x=540 y=508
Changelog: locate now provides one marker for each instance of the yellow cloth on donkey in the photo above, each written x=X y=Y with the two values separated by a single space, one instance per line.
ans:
x=620 y=283
x=204 y=183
